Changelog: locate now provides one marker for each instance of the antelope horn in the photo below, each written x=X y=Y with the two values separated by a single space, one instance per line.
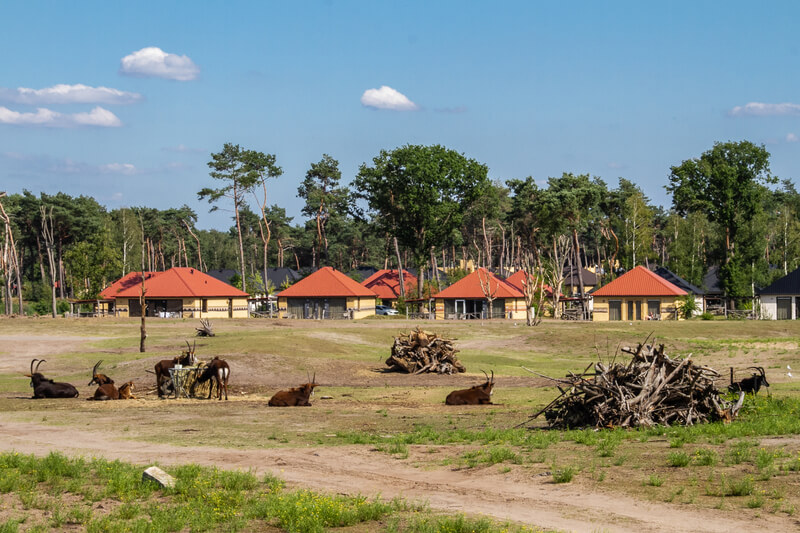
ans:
x=309 y=379
x=39 y=363
x=485 y=374
x=314 y=379
x=492 y=376
x=97 y=364
x=189 y=346
x=32 y=365
x=194 y=345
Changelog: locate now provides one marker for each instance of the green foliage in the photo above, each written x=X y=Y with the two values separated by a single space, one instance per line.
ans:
x=420 y=194
x=564 y=474
x=687 y=306
x=678 y=459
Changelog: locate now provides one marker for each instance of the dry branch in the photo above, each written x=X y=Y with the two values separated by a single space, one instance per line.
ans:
x=205 y=329
x=652 y=389
x=422 y=351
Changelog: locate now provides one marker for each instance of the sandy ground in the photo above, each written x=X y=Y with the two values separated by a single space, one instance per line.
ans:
x=357 y=469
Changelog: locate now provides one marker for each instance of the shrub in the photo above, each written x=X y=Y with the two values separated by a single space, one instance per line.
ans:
x=678 y=459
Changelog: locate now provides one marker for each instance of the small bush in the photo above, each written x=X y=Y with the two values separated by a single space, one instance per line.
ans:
x=678 y=459
x=705 y=457
x=706 y=316
x=564 y=475
x=655 y=480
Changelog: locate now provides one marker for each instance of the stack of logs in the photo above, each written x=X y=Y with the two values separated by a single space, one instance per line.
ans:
x=652 y=389
x=422 y=351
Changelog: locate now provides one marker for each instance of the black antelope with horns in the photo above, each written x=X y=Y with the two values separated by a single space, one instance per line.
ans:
x=47 y=388
x=99 y=379
x=298 y=396
x=163 y=379
x=477 y=395
x=219 y=371
x=752 y=384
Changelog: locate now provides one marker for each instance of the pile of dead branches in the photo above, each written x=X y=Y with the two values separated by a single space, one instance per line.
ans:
x=652 y=389
x=205 y=329
x=422 y=351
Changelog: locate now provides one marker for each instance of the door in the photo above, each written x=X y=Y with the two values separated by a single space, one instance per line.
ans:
x=784 y=309
x=615 y=310
x=461 y=307
x=230 y=307
x=630 y=310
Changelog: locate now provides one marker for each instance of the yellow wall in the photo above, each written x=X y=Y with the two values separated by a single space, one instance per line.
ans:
x=516 y=306
x=362 y=306
x=669 y=305
x=193 y=308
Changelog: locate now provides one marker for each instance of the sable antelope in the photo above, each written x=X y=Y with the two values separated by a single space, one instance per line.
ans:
x=108 y=391
x=752 y=384
x=477 y=395
x=47 y=388
x=297 y=396
x=163 y=379
x=219 y=371
x=99 y=379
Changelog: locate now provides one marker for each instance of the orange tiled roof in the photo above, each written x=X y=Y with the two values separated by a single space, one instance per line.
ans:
x=179 y=282
x=386 y=283
x=639 y=282
x=470 y=287
x=326 y=282
x=519 y=276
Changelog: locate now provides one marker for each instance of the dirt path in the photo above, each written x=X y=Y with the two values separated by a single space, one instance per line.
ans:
x=356 y=469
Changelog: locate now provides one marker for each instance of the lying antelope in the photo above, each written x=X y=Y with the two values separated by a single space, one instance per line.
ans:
x=219 y=371
x=99 y=379
x=108 y=391
x=477 y=395
x=297 y=396
x=47 y=388
x=163 y=379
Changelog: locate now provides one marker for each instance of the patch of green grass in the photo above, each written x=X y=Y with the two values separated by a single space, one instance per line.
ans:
x=705 y=457
x=564 y=474
x=655 y=480
x=678 y=459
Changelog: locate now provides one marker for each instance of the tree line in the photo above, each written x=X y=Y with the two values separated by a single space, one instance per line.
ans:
x=425 y=207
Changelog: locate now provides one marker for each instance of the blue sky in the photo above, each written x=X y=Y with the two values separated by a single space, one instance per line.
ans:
x=613 y=89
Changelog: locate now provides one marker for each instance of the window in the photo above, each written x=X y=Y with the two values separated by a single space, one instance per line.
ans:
x=205 y=305
x=615 y=310
x=784 y=309
x=654 y=309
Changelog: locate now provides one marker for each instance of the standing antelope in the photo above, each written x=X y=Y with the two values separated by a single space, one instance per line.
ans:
x=219 y=371
x=297 y=396
x=99 y=379
x=477 y=395
x=47 y=388
x=752 y=384
x=163 y=379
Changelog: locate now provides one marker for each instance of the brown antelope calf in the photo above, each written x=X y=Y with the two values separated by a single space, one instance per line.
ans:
x=219 y=371
x=108 y=391
x=297 y=396
x=477 y=395
x=99 y=379
x=163 y=379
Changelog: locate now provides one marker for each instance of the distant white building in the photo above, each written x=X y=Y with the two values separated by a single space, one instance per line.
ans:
x=781 y=300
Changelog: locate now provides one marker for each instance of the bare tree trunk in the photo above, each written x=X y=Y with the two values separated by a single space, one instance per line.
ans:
x=196 y=240
x=435 y=269
x=13 y=256
x=400 y=270
x=584 y=311
x=47 y=235
x=239 y=232
x=485 y=280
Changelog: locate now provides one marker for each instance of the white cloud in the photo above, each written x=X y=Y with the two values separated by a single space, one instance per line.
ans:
x=760 y=109
x=183 y=149
x=792 y=138
x=119 y=168
x=387 y=98
x=68 y=94
x=153 y=62
x=47 y=117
